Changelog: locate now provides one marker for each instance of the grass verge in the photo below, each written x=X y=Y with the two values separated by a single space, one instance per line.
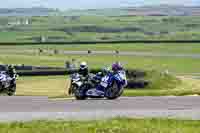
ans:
x=118 y=125
x=189 y=48
x=188 y=86
x=177 y=65
x=42 y=86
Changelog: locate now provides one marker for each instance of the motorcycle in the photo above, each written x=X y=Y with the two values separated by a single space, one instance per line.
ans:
x=7 y=84
x=75 y=83
x=111 y=86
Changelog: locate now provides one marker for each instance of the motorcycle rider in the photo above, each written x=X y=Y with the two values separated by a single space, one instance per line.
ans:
x=116 y=67
x=83 y=69
x=11 y=71
x=9 y=74
x=3 y=79
x=83 y=72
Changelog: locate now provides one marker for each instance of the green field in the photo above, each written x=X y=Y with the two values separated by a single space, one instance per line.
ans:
x=29 y=55
x=185 y=48
x=188 y=86
x=91 y=28
x=177 y=65
x=99 y=28
x=120 y=125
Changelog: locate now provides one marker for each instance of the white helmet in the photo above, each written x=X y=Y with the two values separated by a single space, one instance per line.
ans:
x=83 y=65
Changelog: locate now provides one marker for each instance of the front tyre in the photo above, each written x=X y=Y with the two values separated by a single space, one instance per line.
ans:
x=12 y=90
x=1 y=86
x=72 y=89
x=114 y=92
x=79 y=94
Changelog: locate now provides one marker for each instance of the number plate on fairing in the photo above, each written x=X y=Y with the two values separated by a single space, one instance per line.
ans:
x=104 y=81
x=104 y=84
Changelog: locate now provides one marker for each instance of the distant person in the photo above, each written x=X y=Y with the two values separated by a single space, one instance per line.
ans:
x=67 y=65
x=73 y=64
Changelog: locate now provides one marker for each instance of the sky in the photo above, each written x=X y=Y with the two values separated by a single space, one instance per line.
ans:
x=91 y=4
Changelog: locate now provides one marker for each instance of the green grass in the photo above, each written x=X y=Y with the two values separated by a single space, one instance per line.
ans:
x=188 y=86
x=120 y=125
x=159 y=28
x=177 y=65
x=50 y=86
x=161 y=81
x=189 y=48
x=22 y=55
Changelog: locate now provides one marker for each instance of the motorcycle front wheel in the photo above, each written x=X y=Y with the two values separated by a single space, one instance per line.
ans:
x=80 y=94
x=72 y=89
x=11 y=91
x=113 y=92
x=1 y=86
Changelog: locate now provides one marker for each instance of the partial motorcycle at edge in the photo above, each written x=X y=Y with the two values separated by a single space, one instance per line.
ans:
x=7 y=83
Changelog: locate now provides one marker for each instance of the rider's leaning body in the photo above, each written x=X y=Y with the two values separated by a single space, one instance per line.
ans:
x=9 y=74
x=116 y=68
x=11 y=71
x=83 y=70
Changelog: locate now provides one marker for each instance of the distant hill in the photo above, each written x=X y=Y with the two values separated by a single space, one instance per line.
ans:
x=36 y=11
x=162 y=10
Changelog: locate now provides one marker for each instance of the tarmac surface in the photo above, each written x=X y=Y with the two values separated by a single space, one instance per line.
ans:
x=36 y=108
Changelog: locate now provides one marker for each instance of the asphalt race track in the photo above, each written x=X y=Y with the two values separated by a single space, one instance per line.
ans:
x=34 y=108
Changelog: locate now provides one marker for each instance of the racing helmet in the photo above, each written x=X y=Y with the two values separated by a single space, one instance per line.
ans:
x=83 y=65
x=117 y=66
x=10 y=66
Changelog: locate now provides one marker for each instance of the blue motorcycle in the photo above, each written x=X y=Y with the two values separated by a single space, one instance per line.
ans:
x=110 y=86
